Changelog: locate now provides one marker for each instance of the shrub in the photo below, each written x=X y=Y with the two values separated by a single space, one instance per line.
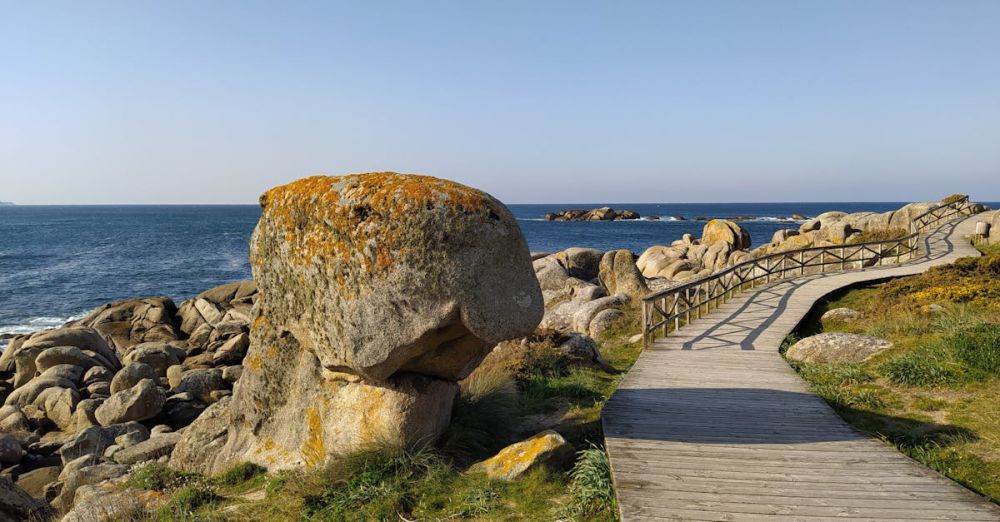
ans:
x=978 y=347
x=158 y=477
x=846 y=397
x=185 y=501
x=918 y=368
x=239 y=474
x=590 y=483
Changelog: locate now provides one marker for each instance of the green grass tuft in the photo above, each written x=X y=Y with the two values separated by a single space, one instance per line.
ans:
x=978 y=347
x=239 y=474
x=591 y=485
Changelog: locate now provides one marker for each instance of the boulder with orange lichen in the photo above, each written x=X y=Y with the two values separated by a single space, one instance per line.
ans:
x=377 y=292
x=548 y=448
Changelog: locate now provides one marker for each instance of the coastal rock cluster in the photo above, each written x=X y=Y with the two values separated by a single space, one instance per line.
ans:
x=83 y=402
x=597 y=214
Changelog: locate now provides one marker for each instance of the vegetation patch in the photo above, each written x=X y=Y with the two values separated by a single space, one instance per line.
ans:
x=933 y=394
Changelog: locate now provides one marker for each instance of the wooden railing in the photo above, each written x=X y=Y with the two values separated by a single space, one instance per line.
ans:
x=669 y=309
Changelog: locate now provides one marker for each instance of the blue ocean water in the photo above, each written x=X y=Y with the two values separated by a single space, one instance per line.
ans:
x=59 y=262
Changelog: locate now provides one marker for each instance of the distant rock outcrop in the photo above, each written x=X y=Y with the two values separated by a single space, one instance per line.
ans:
x=597 y=214
x=377 y=293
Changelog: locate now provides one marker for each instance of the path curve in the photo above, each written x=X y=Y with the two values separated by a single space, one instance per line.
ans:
x=712 y=424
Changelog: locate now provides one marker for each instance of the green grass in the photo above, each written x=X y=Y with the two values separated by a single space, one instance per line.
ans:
x=933 y=394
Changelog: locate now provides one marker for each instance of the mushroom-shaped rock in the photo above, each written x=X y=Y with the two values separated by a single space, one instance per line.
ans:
x=376 y=293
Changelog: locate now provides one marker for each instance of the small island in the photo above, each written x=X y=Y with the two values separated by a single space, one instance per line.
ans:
x=597 y=214
x=7 y=203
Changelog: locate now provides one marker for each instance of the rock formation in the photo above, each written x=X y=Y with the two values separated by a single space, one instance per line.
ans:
x=82 y=400
x=377 y=293
x=597 y=214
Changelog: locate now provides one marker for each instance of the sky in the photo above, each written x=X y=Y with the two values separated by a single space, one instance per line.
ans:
x=534 y=101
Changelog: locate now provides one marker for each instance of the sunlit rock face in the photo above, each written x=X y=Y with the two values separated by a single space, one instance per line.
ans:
x=376 y=293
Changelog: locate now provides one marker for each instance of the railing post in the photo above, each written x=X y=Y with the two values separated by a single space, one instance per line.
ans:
x=645 y=326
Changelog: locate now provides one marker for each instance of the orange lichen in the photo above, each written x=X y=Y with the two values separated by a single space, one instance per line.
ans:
x=313 y=448
x=356 y=218
x=254 y=362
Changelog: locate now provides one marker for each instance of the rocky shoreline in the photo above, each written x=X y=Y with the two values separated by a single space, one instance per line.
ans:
x=365 y=313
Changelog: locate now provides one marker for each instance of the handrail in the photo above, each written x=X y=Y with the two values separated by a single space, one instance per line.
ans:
x=691 y=300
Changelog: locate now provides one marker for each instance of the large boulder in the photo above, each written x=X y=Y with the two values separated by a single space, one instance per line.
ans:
x=130 y=375
x=127 y=323
x=581 y=263
x=140 y=402
x=837 y=347
x=87 y=340
x=727 y=231
x=619 y=275
x=377 y=292
x=16 y=504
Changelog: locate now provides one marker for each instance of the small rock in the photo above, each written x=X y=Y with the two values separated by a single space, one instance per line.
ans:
x=841 y=314
x=548 y=448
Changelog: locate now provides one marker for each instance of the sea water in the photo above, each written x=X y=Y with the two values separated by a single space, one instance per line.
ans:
x=59 y=262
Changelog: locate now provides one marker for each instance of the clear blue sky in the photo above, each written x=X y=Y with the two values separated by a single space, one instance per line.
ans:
x=214 y=102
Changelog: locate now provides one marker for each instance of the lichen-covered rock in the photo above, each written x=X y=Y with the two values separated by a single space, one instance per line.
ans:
x=548 y=448
x=376 y=293
x=362 y=267
x=837 y=347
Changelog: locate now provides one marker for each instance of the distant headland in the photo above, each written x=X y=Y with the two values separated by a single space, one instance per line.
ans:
x=7 y=203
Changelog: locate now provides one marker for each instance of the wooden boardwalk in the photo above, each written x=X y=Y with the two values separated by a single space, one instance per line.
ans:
x=712 y=424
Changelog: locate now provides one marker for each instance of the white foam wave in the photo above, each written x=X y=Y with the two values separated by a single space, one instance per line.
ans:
x=38 y=323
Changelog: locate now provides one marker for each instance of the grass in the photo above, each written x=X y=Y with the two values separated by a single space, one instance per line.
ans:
x=933 y=394
x=519 y=390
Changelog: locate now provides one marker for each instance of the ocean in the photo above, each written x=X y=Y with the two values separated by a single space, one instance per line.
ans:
x=59 y=262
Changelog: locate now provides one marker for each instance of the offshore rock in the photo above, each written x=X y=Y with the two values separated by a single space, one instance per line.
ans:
x=376 y=293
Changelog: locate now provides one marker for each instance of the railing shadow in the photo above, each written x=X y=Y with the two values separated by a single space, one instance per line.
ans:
x=741 y=416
